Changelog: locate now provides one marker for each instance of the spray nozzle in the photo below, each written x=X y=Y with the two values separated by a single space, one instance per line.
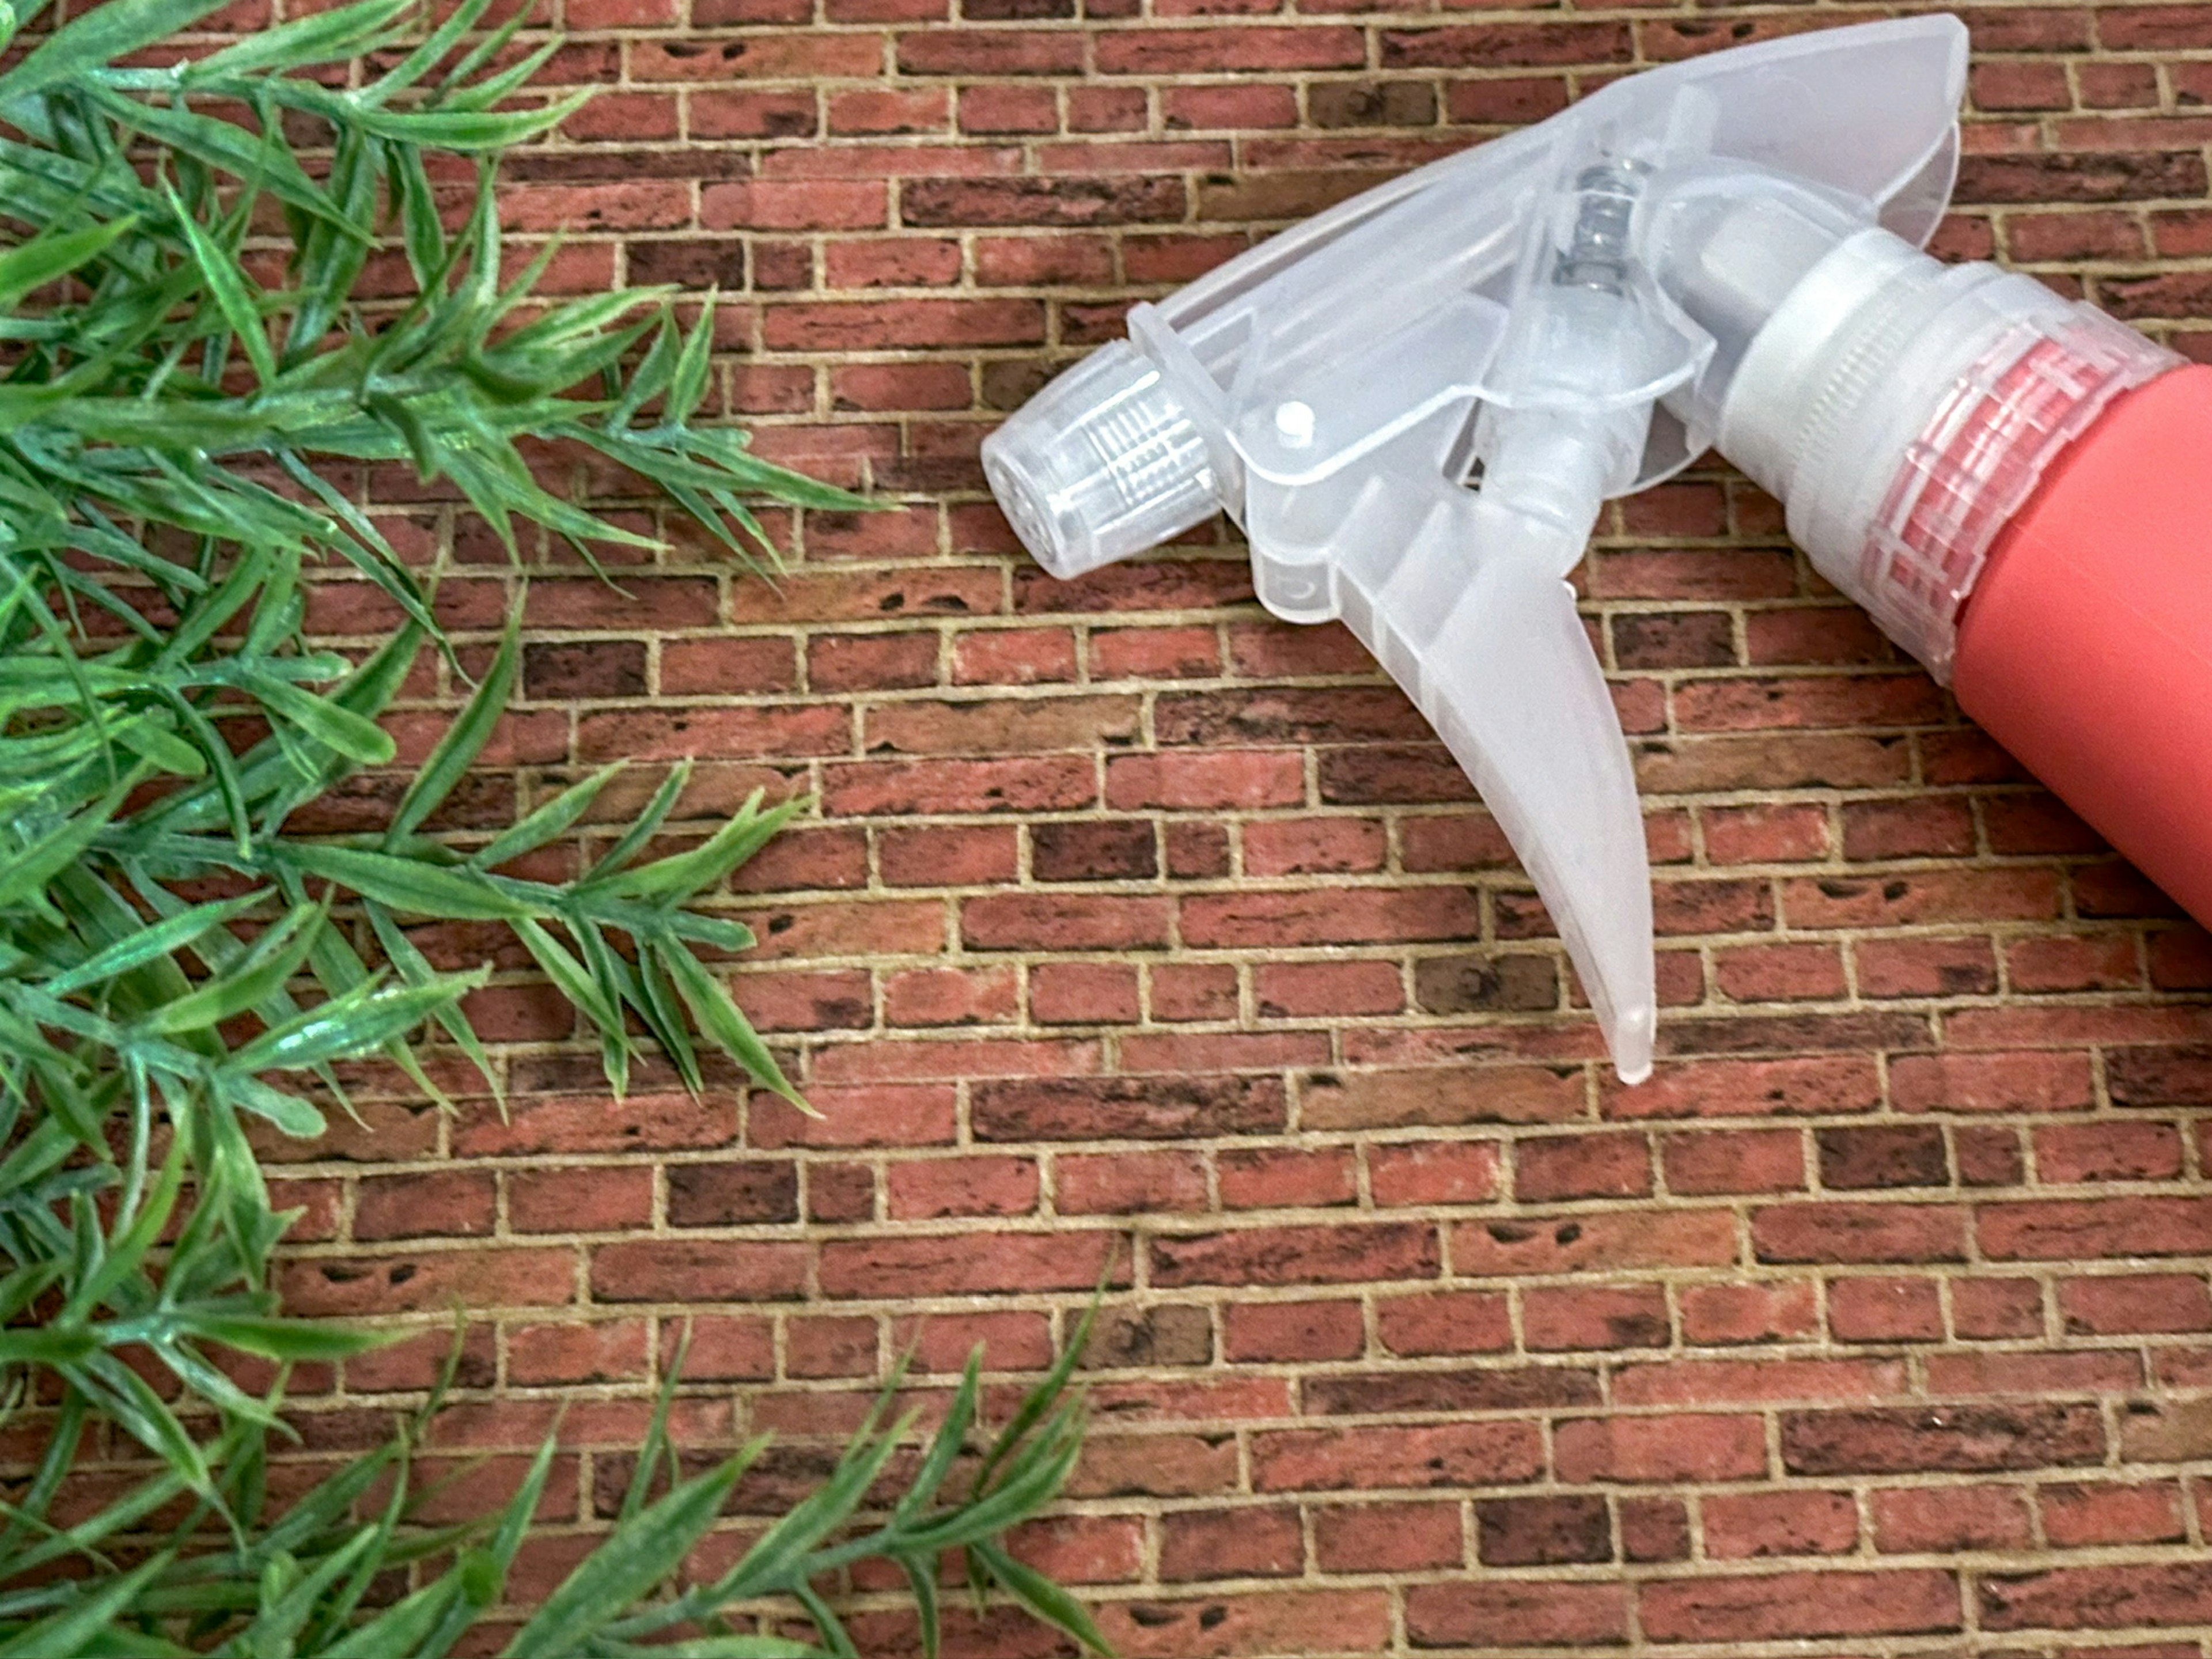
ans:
x=1417 y=403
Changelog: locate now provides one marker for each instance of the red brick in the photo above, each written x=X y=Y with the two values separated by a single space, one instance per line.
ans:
x=697 y=1270
x=450 y=1202
x=1532 y=1532
x=1286 y=1178
x=1731 y=1314
x=1734 y=1161
x=1925 y=967
x=1765 y=835
x=931 y=1266
x=1707 y=1383
x=1782 y=1606
x=2082 y=1152
x=1991 y=1307
x=1295 y=1256
x=1858 y=1232
x=1308 y=990
x=935 y=1187
x=1882 y=1310
x=1746 y=1088
x=1440 y=1172
x=1970 y=1440
x=723 y=1349
x=1653 y=1528
x=593 y=1200
x=960 y=856
x=1550 y=1168
x=606 y=1351
x=427 y=1281
x=1673 y=1239
x=1410 y=1098
x=2135 y=1304
x=1582 y=1320
x=2077 y=1515
x=1741 y=1526
x=2043 y=1230
x=1293 y=1331
x=1449 y=1454
x=1063 y=922
x=1992 y=1082
x=2083 y=1372
x=1780 y=973
x=951 y=996
x=1492 y=1612
x=2098 y=1598
x=1386 y=1537
x=1642 y=1449
x=1083 y=994
x=1945 y=1520
x=1130 y=1183
x=1458 y=1322
x=1017 y=656
x=1239 y=1543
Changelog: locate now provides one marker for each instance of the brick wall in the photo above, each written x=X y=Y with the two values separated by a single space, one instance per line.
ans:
x=1136 y=929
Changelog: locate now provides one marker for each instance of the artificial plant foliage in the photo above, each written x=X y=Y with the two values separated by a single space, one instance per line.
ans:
x=236 y=1576
x=192 y=396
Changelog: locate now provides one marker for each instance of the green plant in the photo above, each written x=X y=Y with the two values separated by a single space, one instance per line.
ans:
x=231 y=1579
x=189 y=394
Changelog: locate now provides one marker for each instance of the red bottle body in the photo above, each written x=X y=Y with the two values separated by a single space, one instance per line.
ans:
x=2086 y=647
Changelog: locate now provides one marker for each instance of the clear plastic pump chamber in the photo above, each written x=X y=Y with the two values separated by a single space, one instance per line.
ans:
x=1416 y=404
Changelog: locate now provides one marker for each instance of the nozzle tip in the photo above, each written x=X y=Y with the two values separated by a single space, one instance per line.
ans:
x=1633 y=1035
x=1102 y=464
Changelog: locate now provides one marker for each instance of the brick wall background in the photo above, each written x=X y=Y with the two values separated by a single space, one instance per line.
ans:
x=1136 y=929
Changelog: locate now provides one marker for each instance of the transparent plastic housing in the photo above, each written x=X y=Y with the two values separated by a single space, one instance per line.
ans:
x=1103 y=463
x=1977 y=459
x=1903 y=410
x=1417 y=403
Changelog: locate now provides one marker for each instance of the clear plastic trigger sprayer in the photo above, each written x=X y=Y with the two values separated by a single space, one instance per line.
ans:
x=1416 y=404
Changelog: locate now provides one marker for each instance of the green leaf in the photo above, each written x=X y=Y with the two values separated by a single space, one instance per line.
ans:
x=547 y=823
x=265 y=969
x=27 y=871
x=464 y=740
x=290 y=1340
x=227 y=148
x=300 y=1119
x=720 y=1647
x=1044 y=1599
x=689 y=383
x=319 y=38
x=1041 y=1399
x=414 y=888
x=358 y=1024
x=228 y=285
x=95 y=39
x=52 y=255
x=682 y=875
x=921 y=1585
x=328 y=721
x=160 y=940
x=130 y=1399
x=647 y=824
x=947 y=1443
x=414 y=969
x=78 y=1630
x=129 y=1251
x=721 y=1023
x=627 y=1566
x=570 y=977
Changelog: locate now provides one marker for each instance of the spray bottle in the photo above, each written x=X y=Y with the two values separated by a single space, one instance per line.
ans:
x=1416 y=404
